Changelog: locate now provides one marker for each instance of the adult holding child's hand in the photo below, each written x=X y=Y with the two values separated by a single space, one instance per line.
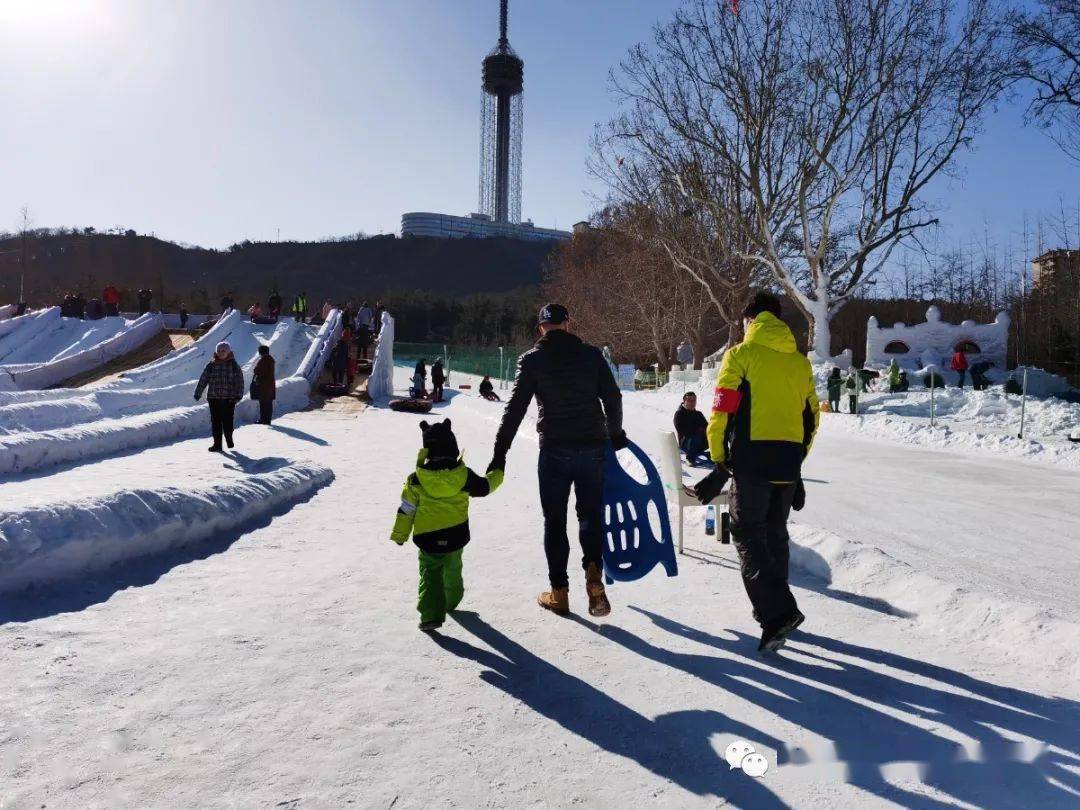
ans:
x=579 y=409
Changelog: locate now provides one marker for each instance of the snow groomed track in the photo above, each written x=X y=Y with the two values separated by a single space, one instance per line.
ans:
x=43 y=348
x=154 y=403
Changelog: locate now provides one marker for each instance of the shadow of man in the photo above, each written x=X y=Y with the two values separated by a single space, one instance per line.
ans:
x=858 y=708
x=674 y=746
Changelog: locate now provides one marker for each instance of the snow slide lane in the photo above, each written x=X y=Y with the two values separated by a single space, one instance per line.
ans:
x=50 y=542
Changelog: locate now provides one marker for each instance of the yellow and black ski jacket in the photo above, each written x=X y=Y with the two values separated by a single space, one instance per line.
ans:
x=765 y=408
x=435 y=505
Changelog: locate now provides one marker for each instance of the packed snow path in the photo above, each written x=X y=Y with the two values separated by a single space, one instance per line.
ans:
x=281 y=665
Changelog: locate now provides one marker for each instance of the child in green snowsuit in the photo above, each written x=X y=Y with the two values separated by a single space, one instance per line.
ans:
x=435 y=510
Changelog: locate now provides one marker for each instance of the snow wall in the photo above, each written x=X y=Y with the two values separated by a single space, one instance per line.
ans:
x=61 y=540
x=932 y=343
x=8 y=310
x=30 y=376
x=381 y=381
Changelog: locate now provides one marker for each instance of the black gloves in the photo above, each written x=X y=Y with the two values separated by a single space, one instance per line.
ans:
x=498 y=462
x=799 y=499
x=712 y=484
x=620 y=441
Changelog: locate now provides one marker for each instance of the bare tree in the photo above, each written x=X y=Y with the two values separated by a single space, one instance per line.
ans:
x=26 y=226
x=1049 y=43
x=832 y=116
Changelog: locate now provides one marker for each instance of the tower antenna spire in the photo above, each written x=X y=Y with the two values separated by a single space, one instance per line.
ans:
x=502 y=23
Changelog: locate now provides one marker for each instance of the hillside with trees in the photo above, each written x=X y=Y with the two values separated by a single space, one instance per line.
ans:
x=61 y=260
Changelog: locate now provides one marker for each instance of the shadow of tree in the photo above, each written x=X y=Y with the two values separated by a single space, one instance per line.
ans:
x=673 y=746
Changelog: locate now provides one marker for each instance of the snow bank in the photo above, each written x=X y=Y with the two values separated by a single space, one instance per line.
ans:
x=1023 y=633
x=7 y=311
x=125 y=337
x=67 y=539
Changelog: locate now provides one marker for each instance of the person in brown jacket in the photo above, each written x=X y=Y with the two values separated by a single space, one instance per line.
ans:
x=263 y=387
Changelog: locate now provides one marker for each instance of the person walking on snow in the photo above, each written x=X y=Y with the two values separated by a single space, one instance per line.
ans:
x=438 y=379
x=223 y=381
x=960 y=364
x=893 y=375
x=263 y=385
x=435 y=511
x=834 y=385
x=579 y=409
x=300 y=307
x=765 y=415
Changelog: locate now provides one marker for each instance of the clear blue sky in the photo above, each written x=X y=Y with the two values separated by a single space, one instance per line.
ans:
x=213 y=121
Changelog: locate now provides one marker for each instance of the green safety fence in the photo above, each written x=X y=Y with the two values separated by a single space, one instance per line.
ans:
x=479 y=360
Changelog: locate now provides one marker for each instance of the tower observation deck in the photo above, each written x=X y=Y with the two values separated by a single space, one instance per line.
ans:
x=503 y=83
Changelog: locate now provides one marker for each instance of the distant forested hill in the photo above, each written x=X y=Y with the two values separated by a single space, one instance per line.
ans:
x=84 y=261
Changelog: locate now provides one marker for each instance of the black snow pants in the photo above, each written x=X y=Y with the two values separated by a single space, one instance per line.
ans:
x=759 y=512
x=221 y=420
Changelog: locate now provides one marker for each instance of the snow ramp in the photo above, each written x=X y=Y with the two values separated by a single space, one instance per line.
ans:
x=54 y=348
x=65 y=540
x=154 y=403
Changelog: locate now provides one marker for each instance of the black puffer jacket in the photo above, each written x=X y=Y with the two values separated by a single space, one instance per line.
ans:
x=570 y=380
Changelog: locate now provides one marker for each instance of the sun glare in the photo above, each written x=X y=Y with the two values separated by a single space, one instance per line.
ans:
x=46 y=11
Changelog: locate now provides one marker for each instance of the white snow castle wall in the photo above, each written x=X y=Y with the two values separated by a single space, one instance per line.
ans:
x=932 y=343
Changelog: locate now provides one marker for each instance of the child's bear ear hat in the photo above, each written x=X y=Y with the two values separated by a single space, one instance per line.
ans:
x=440 y=440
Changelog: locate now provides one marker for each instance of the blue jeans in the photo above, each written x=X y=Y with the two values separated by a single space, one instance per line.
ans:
x=557 y=470
x=696 y=448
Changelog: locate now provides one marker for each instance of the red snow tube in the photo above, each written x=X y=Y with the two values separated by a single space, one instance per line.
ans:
x=410 y=405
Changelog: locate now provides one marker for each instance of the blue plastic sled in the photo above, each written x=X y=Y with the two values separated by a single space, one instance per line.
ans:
x=631 y=548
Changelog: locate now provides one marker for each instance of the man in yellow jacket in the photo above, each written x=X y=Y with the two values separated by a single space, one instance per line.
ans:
x=764 y=417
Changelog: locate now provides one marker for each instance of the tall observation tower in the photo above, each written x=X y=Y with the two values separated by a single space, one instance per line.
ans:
x=500 y=129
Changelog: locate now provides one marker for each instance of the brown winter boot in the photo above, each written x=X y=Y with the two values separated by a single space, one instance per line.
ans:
x=557 y=600
x=594 y=587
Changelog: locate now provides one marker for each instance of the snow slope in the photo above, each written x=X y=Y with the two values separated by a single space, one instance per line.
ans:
x=154 y=403
x=279 y=665
x=70 y=346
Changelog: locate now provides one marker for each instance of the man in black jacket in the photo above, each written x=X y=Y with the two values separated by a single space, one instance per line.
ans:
x=579 y=408
x=690 y=425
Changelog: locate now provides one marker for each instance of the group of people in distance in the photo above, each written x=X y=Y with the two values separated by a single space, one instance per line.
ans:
x=757 y=442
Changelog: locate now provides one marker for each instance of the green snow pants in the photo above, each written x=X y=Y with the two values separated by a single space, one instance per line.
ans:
x=441 y=587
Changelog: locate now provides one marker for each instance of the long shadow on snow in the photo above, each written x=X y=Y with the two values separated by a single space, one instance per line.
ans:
x=299 y=434
x=673 y=746
x=806 y=581
x=72 y=596
x=830 y=700
x=255 y=466
x=66 y=466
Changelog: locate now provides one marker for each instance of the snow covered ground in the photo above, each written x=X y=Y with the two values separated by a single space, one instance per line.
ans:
x=277 y=662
